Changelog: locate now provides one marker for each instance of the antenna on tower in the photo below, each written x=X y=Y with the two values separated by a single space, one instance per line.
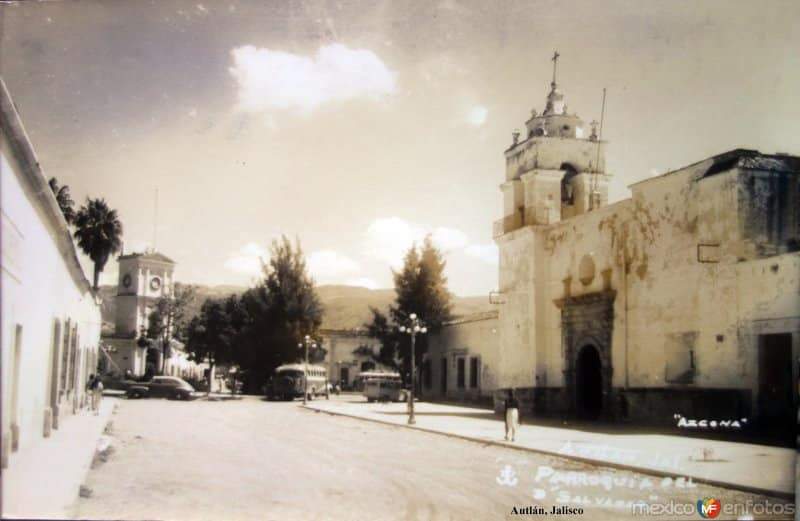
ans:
x=594 y=197
x=155 y=221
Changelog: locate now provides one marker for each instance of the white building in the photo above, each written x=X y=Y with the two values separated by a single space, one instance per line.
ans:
x=50 y=315
x=143 y=279
x=347 y=355
x=462 y=359
x=683 y=299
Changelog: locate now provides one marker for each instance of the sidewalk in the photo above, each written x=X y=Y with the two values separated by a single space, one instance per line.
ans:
x=753 y=468
x=43 y=480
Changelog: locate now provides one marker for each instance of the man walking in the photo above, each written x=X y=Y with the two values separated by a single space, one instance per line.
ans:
x=511 y=414
x=95 y=388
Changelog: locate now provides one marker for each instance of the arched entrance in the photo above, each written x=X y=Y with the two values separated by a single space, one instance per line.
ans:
x=589 y=383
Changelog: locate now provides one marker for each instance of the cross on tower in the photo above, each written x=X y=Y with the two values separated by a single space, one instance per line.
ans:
x=555 y=63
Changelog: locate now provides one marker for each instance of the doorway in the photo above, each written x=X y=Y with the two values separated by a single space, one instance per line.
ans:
x=344 y=376
x=589 y=383
x=443 y=377
x=15 y=376
x=775 y=393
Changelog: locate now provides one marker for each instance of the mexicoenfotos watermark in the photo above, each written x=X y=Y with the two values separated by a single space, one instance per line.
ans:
x=712 y=508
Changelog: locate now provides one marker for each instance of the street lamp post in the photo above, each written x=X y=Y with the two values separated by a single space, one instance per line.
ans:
x=307 y=341
x=413 y=327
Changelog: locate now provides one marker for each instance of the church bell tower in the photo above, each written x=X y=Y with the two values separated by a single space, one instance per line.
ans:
x=556 y=170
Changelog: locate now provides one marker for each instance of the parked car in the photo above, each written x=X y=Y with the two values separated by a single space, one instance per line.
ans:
x=170 y=387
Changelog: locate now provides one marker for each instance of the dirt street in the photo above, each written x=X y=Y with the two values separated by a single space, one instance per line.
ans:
x=252 y=459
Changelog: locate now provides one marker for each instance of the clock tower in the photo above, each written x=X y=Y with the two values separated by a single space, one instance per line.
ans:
x=143 y=279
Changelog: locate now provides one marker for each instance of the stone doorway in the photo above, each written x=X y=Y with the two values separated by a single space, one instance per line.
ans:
x=587 y=323
x=589 y=383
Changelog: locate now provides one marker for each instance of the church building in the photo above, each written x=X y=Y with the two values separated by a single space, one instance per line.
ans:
x=682 y=300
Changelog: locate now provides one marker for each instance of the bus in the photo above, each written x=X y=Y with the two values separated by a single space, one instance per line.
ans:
x=287 y=384
x=382 y=386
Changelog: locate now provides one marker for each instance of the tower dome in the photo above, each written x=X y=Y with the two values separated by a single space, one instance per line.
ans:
x=555 y=101
x=555 y=121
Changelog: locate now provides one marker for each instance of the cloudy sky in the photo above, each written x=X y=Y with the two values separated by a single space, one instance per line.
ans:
x=362 y=126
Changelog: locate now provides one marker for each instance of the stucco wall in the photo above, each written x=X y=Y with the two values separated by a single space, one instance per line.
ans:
x=550 y=153
x=340 y=348
x=471 y=337
x=682 y=269
x=40 y=295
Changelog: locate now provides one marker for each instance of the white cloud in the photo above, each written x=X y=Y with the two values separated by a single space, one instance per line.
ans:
x=203 y=9
x=449 y=239
x=268 y=79
x=193 y=113
x=477 y=115
x=486 y=252
x=247 y=260
x=329 y=266
x=389 y=239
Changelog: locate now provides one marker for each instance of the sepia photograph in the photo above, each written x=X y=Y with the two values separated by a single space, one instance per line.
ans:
x=399 y=260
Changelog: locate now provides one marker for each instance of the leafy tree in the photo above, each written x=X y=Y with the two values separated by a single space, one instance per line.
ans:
x=278 y=313
x=99 y=233
x=421 y=288
x=211 y=336
x=64 y=199
x=168 y=320
x=387 y=335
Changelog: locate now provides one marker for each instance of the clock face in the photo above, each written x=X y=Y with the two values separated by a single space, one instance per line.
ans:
x=155 y=283
x=126 y=280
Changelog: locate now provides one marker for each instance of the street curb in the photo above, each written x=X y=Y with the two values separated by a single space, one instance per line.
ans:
x=595 y=462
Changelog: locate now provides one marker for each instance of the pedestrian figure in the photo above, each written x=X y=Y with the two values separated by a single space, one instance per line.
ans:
x=95 y=388
x=512 y=414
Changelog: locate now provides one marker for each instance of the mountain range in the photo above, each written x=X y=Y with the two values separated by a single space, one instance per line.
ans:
x=346 y=307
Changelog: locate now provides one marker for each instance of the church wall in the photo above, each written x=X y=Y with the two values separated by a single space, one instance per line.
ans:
x=549 y=153
x=516 y=365
x=673 y=255
x=769 y=303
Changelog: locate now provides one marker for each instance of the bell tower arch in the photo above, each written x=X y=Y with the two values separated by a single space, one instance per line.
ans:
x=557 y=172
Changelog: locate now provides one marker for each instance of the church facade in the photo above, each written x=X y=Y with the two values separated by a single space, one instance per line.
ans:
x=681 y=300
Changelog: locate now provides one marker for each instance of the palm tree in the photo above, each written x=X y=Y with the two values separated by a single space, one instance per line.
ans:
x=99 y=233
x=64 y=199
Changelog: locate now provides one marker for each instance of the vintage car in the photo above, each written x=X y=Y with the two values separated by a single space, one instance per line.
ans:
x=162 y=387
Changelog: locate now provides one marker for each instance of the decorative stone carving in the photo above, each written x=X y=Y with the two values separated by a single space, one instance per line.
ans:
x=586 y=270
x=587 y=320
